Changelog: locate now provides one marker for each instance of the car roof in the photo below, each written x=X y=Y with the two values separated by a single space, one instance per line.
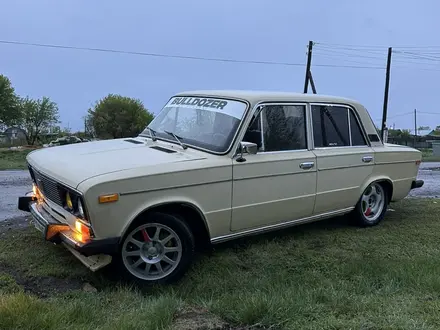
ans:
x=255 y=96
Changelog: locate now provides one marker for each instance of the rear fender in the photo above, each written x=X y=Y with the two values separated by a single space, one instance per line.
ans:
x=377 y=178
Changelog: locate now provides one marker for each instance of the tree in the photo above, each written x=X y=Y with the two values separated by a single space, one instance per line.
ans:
x=406 y=134
x=38 y=116
x=9 y=111
x=117 y=116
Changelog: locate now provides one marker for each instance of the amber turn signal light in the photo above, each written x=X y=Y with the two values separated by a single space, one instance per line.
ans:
x=108 y=198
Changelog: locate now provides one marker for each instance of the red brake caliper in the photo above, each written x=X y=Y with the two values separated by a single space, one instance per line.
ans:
x=368 y=212
x=145 y=235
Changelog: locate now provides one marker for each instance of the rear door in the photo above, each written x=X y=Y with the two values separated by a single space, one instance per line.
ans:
x=344 y=157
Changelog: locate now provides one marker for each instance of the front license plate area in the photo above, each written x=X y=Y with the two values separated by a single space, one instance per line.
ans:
x=40 y=224
x=40 y=227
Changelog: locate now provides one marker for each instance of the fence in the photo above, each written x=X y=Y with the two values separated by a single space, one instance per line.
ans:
x=419 y=143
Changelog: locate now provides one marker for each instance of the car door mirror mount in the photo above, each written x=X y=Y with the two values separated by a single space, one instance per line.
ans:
x=246 y=147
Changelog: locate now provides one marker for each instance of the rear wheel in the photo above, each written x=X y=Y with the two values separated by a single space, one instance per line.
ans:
x=372 y=205
x=157 y=251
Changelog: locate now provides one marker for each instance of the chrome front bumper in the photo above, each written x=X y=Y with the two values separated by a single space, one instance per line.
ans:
x=93 y=253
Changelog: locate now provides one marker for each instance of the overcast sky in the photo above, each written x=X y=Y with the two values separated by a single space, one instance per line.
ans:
x=254 y=30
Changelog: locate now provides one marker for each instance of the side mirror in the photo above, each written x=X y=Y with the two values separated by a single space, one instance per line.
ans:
x=249 y=147
x=246 y=147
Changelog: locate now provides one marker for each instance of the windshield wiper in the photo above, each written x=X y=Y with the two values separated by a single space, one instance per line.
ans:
x=152 y=133
x=178 y=139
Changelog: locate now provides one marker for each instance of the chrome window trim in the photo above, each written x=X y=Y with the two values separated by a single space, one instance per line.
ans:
x=262 y=129
x=349 y=108
x=340 y=147
x=237 y=131
x=281 y=151
x=361 y=127
x=349 y=127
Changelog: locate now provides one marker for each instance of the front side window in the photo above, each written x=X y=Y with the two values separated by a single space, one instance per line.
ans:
x=278 y=128
x=203 y=122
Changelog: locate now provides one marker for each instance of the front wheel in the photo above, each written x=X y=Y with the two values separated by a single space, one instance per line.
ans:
x=372 y=206
x=157 y=251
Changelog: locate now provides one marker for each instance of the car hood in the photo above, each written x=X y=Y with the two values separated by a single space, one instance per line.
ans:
x=74 y=163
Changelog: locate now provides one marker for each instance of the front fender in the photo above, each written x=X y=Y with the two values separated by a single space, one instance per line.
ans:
x=158 y=202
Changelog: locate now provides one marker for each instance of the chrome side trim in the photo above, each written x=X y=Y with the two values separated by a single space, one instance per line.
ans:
x=345 y=166
x=172 y=187
x=291 y=223
x=396 y=162
x=271 y=175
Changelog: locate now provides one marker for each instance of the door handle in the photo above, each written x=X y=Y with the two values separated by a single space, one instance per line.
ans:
x=306 y=165
x=367 y=159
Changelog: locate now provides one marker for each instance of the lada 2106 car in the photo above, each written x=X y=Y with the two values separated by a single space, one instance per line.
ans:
x=214 y=166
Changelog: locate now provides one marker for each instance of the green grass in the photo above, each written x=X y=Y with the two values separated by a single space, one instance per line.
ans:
x=13 y=159
x=427 y=156
x=326 y=275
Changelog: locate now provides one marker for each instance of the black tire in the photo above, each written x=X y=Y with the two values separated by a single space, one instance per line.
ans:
x=359 y=214
x=184 y=234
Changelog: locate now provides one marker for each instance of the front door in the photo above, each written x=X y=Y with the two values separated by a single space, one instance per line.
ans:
x=278 y=184
x=344 y=158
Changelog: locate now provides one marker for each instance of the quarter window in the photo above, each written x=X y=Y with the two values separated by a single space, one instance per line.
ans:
x=279 y=128
x=357 y=138
x=335 y=126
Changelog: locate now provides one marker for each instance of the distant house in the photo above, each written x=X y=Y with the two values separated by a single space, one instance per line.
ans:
x=13 y=136
x=424 y=132
x=434 y=132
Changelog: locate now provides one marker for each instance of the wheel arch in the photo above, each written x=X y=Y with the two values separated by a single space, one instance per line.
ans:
x=187 y=211
x=384 y=180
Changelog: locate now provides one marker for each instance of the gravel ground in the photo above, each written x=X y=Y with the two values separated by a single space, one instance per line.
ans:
x=12 y=185
x=16 y=183
x=430 y=174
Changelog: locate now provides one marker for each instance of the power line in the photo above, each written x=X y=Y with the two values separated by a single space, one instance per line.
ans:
x=181 y=56
x=430 y=113
x=403 y=57
x=328 y=49
x=398 y=115
x=377 y=47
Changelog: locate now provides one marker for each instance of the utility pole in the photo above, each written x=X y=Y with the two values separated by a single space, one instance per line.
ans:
x=415 y=127
x=387 y=87
x=312 y=82
x=309 y=63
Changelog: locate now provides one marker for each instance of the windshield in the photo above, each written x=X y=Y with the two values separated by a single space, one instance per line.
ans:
x=207 y=123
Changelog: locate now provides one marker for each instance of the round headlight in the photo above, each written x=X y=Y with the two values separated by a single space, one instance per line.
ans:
x=80 y=209
x=69 y=201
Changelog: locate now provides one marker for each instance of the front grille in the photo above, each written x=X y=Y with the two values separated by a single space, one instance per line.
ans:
x=48 y=187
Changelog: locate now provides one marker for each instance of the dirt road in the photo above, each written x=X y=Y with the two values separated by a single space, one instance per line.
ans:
x=16 y=183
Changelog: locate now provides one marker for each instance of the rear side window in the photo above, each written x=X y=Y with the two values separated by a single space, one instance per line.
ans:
x=330 y=126
x=336 y=126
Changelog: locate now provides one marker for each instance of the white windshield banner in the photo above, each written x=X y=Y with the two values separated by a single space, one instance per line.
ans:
x=232 y=108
